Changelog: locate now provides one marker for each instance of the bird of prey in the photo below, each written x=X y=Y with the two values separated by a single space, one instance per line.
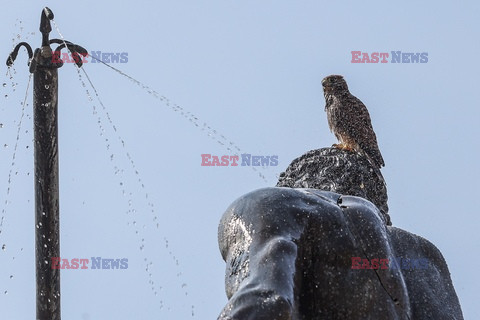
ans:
x=349 y=120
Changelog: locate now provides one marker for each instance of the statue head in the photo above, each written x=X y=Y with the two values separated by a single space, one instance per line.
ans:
x=339 y=171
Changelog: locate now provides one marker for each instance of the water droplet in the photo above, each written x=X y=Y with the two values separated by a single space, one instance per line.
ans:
x=4 y=84
x=1 y=125
x=6 y=292
x=11 y=277
x=6 y=96
x=4 y=247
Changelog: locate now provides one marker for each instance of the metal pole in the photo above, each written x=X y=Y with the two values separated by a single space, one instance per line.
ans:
x=44 y=64
x=47 y=213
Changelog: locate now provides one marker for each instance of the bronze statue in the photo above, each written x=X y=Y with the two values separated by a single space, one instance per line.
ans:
x=289 y=250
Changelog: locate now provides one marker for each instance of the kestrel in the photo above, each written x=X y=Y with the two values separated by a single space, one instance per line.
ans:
x=349 y=120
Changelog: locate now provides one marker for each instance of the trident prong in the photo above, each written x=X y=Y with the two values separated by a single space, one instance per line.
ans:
x=44 y=57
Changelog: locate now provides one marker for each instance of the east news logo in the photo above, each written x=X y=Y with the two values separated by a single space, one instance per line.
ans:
x=96 y=263
x=96 y=57
x=209 y=160
x=359 y=263
x=395 y=57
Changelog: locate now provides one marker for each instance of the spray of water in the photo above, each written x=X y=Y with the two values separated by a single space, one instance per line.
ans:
x=12 y=173
x=229 y=145
x=14 y=155
x=118 y=171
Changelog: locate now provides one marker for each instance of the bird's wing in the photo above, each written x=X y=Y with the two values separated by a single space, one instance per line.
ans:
x=361 y=130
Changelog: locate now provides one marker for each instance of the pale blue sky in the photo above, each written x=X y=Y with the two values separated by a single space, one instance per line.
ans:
x=252 y=70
